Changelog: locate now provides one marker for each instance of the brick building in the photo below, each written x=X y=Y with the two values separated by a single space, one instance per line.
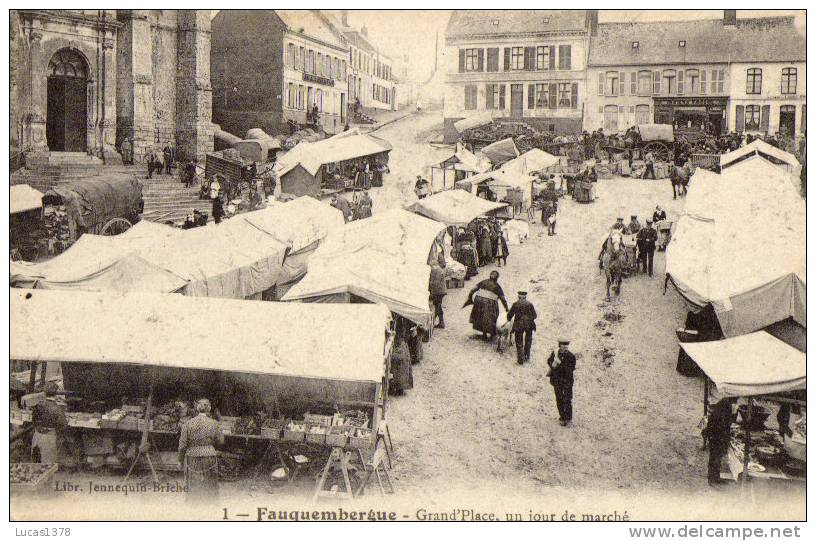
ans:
x=520 y=64
x=84 y=80
x=270 y=66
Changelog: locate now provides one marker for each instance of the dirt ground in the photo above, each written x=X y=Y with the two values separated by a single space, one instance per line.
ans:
x=479 y=430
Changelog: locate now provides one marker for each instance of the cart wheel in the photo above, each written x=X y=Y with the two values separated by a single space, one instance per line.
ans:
x=659 y=150
x=115 y=227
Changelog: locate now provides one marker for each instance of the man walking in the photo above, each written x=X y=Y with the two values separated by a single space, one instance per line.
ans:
x=169 y=158
x=562 y=366
x=647 y=240
x=438 y=289
x=523 y=315
x=649 y=159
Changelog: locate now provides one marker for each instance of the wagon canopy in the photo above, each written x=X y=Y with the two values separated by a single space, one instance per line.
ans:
x=23 y=198
x=99 y=199
x=657 y=132
x=454 y=207
x=335 y=342
x=750 y=365
x=311 y=156
x=256 y=150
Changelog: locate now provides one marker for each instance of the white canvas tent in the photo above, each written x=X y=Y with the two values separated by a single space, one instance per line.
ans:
x=311 y=156
x=501 y=151
x=338 y=342
x=517 y=173
x=750 y=365
x=758 y=147
x=454 y=207
x=23 y=198
x=740 y=246
x=475 y=121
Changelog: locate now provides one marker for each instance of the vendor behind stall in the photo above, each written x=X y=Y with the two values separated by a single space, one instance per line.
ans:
x=717 y=434
x=197 y=442
x=50 y=428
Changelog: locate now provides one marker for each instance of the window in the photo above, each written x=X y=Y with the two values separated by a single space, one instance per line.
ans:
x=753 y=84
x=717 y=81
x=291 y=55
x=310 y=67
x=290 y=96
x=612 y=83
x=493 y=59
x=703 y=82
x=301 y=59
x=635 y=44
x=610 y=119
x=492 y=96
x=542 y=98
x=656 y=88
x=517 y=58
x=300 y=100
x=564 y=95
x=644 y=83
x=789 y=80
x=470 y=97
x=338 y=74
x=681 y=43
x=542 y=58
x=680 y=82
x=471 y=59
x=642 y=115
x=564 y=57
x=693 y=81
x=633 y=83
x=669 y=76
x=752 y=117
x=601 y=83
x=319 y=66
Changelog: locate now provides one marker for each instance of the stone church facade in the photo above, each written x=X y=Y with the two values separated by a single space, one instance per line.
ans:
x=85 y=80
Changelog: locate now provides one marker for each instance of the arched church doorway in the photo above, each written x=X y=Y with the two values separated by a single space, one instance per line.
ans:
x=66 y=124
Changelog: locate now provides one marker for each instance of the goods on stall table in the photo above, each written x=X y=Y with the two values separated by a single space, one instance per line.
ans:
x=271 y=428
x=25 y=477
x=247 y=425
x=294 y=431
x=316 y=433
x=360 y=438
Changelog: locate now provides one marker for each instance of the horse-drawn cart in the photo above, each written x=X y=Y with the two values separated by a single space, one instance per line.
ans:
x=657 y=139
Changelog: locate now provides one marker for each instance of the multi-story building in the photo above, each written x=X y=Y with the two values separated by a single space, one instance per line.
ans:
x=271 y=66
x=85 y=80
x=696 y=74
x=370 y=77
x=519 y=64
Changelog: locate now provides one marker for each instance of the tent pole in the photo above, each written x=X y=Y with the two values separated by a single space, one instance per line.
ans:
x=747 y=443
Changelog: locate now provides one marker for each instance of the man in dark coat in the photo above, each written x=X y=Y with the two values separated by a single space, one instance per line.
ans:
x=523 y=315
x=169 y=158
x=562 y=366
x=438 y=289
x=646 y=241
x=717 y=434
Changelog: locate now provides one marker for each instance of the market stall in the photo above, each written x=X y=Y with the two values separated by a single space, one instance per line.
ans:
x=449 y=167
x=784 y=160
x=766 y=376
x=26 y=226
x=329 y=166
x=454 y=207
x=501 y=151
x=310 y=373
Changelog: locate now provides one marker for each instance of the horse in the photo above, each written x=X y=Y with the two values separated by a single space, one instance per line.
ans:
x=613 y=263
x=680 y=179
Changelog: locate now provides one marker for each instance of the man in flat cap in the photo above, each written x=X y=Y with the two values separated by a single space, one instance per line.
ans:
x=523 y=315
x=562 y=366
x=647 y=240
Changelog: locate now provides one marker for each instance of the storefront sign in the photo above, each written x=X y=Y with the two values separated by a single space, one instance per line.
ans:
x=308 y=77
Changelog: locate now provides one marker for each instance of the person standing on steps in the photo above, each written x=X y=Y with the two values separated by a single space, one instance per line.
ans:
x=523 y=314
x=562 y=367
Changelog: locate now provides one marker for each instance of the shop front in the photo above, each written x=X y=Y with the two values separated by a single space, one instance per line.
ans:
x=692 y=116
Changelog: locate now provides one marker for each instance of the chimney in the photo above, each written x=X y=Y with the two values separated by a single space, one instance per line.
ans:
x=344 y=17
x=592 y=21
x=364 y=31
x=729 y=17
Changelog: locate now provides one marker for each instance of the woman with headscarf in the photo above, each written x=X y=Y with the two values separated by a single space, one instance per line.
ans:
x=197 y=453
x=466 y=252
x=406 y=353
x=485 y=299
x=485 y=245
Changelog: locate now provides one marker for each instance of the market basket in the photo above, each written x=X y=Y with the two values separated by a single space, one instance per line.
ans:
x=294 y=435
x=313 y=418
x=360 y=439
x=39 y=480
x=272 y=428
x=317 y=438
x=337 y=436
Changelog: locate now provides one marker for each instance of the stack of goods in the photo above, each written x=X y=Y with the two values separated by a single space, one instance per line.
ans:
x=83 y=420
x=295 y=431
x=112 y=418
x=271 y=428
x=30 y=477
x=169 y=417
x=55 y=223
x=247 y=425
x=766 y=451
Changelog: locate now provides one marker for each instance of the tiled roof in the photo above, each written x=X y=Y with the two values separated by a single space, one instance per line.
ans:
x=356 y=39
x=479 y=22
x=772 y=39
x=312 y=23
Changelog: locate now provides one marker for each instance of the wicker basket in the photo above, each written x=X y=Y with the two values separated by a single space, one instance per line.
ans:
x=273 y=431
x=316 y=438
x=337 y=436
x=315 y=419
x=37 y=484
x=365 y=442
x=293 y=435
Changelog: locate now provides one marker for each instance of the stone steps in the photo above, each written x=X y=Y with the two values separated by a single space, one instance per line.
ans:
x=167 y=199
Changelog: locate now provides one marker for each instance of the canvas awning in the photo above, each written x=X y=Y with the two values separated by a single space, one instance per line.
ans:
x=23 y=198
x=311 y=156
x=753 y=276
x=336 y=342
x=297 y=223
x=750 y=365
x=501 y=151
x=758 y=147
x=656 y=132
x=454 y=207
x=475 y=121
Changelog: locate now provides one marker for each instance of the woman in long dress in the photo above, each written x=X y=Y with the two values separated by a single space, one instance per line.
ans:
x=197 y=442
x=485 y=299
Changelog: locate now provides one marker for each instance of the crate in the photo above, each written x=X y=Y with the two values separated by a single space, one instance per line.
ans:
x=37 y=484
x=337 y=436
x=273 y=431
x=365 y=442
x=454 y=283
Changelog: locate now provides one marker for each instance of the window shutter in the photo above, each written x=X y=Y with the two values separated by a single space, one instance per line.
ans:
x=601 y=82
x=480 y=66
x=553 y=96
x=501 y=96
x=552 y=57
x=493 y=59
x=575 y=95
x=507 y=59
x=765 y=118
x=621 y=83
x=740 y=119
x=461 y=60
x=633 y=83
x=529 y=58
x=803 y=125
x=564 y=57
x=656 y=87
x=703 y=82
x=489 y=96
x=531 y=96
x=680 y=82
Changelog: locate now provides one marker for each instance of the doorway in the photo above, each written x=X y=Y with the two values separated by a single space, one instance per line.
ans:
x=67 y=102
x=787 y=120
x=516 y=101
